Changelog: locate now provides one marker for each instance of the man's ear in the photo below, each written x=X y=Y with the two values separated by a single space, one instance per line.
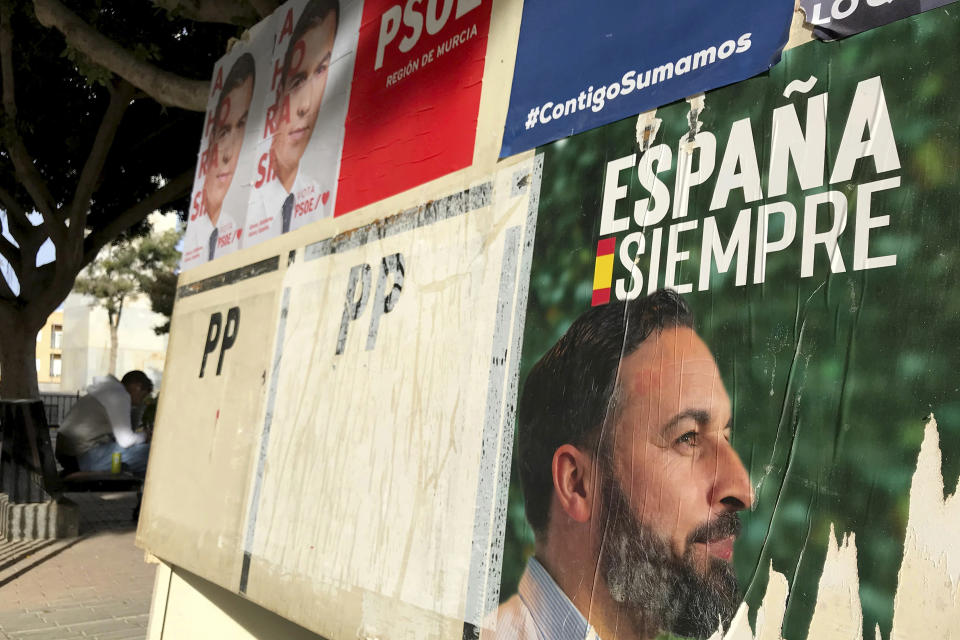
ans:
x=574 y=474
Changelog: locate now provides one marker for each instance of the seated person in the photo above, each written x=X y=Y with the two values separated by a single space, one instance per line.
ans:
x=101 y=424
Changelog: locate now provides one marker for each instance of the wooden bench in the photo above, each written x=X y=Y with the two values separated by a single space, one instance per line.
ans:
x=73 y=480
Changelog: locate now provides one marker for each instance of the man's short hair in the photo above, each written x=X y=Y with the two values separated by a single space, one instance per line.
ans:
x=313 y=15
x=567 y=397
x=244 y=67
x=137 y=377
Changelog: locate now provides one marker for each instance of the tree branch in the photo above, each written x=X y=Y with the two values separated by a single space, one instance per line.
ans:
x=238 y=12
x=6 y=293
x=265 y=7
x=165 y=87
x=119 y=101
x=174 y=189
x=22 y=161
x=24 y=233
x=12 y=255
x=12 y=207
x=19 y=225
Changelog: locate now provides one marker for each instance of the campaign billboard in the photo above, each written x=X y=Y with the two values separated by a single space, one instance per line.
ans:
x=579 y=68
x=724 y=331
x=737 y=401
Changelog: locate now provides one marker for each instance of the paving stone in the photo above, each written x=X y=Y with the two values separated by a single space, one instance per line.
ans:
x=50 y=633
x=97 y=628
x=93 y=586
x=16 y=621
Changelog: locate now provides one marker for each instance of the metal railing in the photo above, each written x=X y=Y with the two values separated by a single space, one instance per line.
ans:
x=56 y=406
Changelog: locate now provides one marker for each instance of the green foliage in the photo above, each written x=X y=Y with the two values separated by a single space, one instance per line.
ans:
x=158 y=280
x=111 y=279
x=129 y=268
x=92 y=72
x=162 y=291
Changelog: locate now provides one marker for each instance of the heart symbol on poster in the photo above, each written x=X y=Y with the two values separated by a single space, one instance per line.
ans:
x=325 y=196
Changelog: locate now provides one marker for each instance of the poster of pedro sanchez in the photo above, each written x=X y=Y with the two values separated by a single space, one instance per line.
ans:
x=270 y=149
x=743 y=310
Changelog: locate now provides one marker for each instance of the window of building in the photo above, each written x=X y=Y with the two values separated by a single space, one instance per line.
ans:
x=56 y=336
x=55 y=365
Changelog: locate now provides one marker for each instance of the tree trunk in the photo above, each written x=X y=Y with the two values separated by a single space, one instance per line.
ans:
x=18 y=358
x=113 y=321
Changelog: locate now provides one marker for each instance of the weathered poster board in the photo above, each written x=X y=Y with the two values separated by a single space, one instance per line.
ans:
x=808 y=219
x=362 y=458
x=456 y=239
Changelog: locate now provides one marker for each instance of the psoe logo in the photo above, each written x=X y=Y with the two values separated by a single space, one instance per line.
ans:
x=415 y=17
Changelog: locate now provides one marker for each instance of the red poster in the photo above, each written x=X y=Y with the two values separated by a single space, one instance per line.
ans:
x=415 y=96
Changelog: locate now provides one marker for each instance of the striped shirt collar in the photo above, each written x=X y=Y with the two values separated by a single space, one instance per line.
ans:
x=553 y=614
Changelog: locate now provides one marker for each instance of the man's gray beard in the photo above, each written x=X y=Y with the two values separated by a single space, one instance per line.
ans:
x=662 y=592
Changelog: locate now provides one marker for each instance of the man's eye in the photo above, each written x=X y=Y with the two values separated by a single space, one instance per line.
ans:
x=321 y=69
x=689 y=439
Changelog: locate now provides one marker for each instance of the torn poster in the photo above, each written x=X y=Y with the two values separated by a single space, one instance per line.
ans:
x=580 y=68
x=835 y=19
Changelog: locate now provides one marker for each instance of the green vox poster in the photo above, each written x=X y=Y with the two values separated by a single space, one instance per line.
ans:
x=738 y=398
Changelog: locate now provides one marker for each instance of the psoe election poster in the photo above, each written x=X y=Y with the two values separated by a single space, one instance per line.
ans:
x=218 y=203
x=738 y=399
x=415 y=96
x=271 y=146
x=580 y=66
x=294 y=180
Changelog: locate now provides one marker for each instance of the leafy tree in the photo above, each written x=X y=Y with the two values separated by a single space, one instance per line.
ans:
x=126 y=270
x=158 y=280
x=100 y=111
x=162 y=291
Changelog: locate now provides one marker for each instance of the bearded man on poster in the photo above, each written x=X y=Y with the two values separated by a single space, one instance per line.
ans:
x=630 y=481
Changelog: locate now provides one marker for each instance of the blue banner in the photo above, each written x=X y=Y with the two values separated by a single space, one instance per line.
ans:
x=580 y=66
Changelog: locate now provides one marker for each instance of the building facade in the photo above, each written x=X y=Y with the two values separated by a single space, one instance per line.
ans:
x=50 y=353
x=86 y=341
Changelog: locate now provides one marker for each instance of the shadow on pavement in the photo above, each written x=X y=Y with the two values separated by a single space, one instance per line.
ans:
x=105 y=511
x=16 y=574
x=13 y=553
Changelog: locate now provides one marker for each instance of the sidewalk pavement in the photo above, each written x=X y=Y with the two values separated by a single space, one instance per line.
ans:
x=93 y=586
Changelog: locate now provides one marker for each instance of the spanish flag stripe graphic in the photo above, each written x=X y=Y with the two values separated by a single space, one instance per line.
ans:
x=603 y=271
